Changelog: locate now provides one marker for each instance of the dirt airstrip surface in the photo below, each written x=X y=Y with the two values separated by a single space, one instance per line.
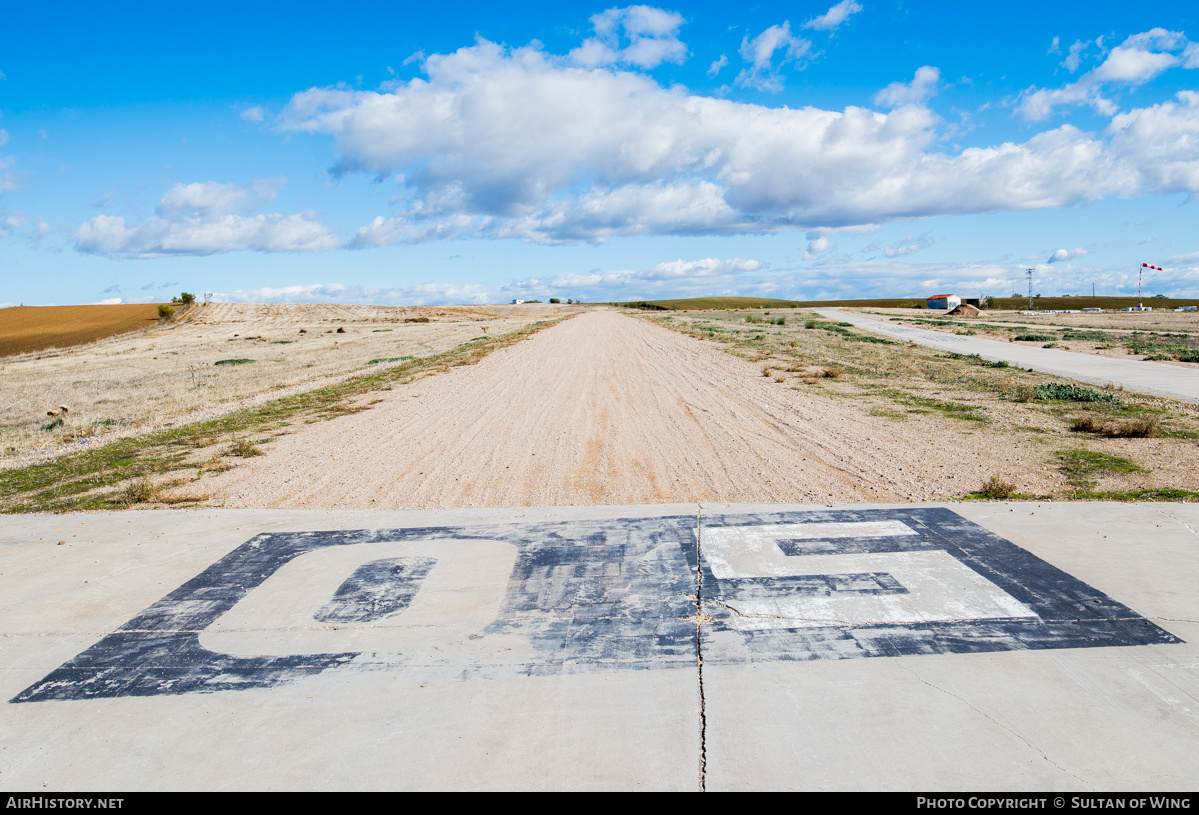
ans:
x=605 y=409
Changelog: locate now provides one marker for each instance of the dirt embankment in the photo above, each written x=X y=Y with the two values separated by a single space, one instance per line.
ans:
x=606 y=409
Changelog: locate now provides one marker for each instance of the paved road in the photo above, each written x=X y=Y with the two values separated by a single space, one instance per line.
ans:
x=969 y=646
x=1142 y=377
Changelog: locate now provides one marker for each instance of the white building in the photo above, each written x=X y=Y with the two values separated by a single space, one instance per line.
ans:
x=944 y=301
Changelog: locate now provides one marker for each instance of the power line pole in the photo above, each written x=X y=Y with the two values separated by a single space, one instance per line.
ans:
x=1028 y=271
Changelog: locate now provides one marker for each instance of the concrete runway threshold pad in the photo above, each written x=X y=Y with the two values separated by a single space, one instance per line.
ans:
x=982 y=646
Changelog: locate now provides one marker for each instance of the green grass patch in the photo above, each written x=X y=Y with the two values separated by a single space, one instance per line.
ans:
x=233 y=362
x=1081 y=466
x=282 y=342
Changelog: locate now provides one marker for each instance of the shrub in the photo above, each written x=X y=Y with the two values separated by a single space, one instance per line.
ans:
x=1035 y=338
x=833 y=373
x=996 y=487
x=165 y=312
x=244 y=448
x=187 y=298
x=138 y=491
x=555 y=300
x=1135 y=429
x=233 y=361
x=811 y=324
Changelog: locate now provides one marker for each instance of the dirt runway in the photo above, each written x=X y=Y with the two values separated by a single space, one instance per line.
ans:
x=602 y=409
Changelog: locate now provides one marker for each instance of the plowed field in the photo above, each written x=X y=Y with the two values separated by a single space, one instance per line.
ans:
x=34 y=328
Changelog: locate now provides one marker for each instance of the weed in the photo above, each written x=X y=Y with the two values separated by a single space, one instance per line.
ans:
x=996 y=487
x=1145 y=428
x=387 y=359
x=54 y=425
x=233 y=362
x=833 y=372
x=1069 y=392
x=285 y=342
x=811 y=323
x=1035 y=338
x=416 y=319
x=244 y=448
x=138 y=491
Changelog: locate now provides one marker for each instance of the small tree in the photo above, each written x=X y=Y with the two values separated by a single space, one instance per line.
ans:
x=187 y=298
x=165 y=312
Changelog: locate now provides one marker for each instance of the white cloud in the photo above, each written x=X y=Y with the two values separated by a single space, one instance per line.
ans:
x=1139 y=59
x=111 y=301
x=201 y=219
x=518 y=143
x=1074 y=59
x=763 y=72
x=1061 y=255
x=642 y=36
x=1055 y=47
x=7 y=176
x=910 y=244
x=716 y=65
x=922 y=86
x=836 y=15
x=254 y=114
x=664 y=279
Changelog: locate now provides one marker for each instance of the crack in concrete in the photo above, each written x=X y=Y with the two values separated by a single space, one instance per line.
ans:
x=1189 y=528
x=993 y=720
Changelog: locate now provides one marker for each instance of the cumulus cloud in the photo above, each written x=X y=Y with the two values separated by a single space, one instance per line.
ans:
x=254 y=114
x=763 y=72
x=1061 y=255
x=202 y=219
x=642 y=36
x=922 y=86
x=1139 y=59
x=716 y=65
x=836 y=15
x=496 y=142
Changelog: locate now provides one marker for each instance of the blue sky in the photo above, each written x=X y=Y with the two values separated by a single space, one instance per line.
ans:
x=427 y=153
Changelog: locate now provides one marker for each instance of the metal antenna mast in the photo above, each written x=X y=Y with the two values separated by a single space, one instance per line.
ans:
x=1028 y=271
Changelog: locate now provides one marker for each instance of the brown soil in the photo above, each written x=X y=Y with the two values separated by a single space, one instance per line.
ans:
x=24 y=329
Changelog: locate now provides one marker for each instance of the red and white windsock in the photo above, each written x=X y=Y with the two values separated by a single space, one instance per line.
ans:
x=1141 y=277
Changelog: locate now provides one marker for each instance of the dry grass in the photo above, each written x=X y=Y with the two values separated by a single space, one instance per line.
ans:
x=979 y=405
x=1137 y=428
x=166 y=375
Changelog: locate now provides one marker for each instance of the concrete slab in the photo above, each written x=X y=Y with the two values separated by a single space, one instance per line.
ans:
x=1170 y=381
x=167 y=650
x=1099 y=691
x=899 y=647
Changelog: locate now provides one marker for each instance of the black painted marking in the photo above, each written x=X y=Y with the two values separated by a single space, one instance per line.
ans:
x=597 y=596
x=376 y=590
x=1068 y=614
